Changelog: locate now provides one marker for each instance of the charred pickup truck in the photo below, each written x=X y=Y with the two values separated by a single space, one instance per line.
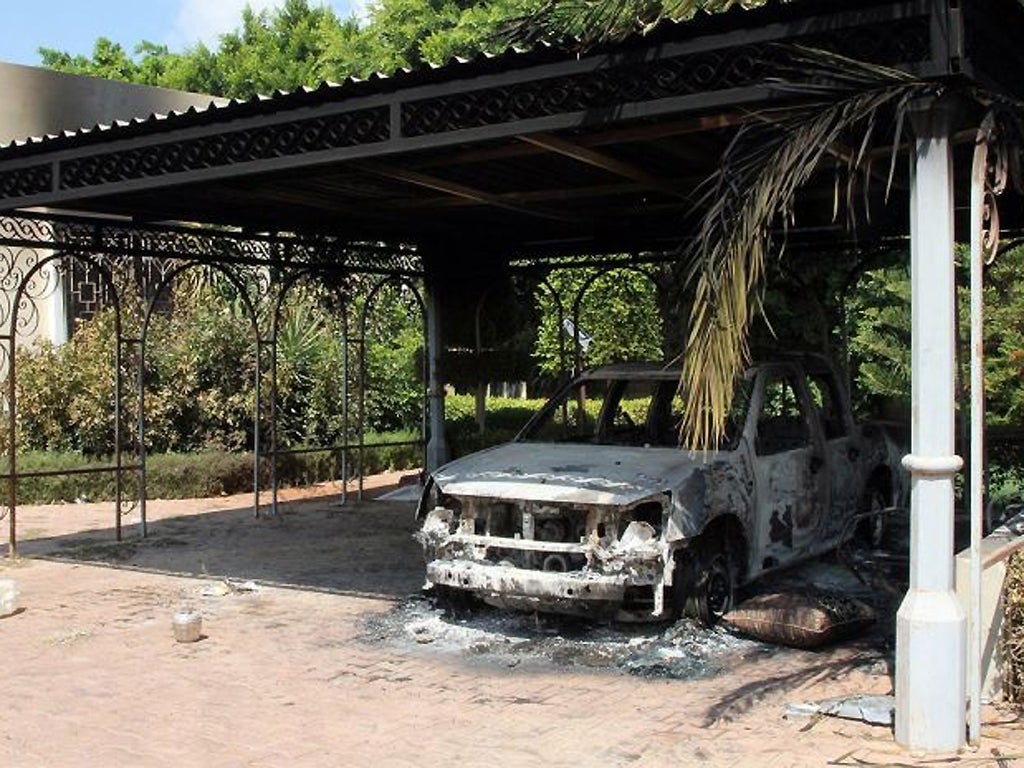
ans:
x=595 y=509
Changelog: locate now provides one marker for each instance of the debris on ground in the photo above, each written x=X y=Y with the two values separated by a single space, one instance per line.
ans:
x=683 y=650
x=8 y=597
x=226 y=587
x=870 y=709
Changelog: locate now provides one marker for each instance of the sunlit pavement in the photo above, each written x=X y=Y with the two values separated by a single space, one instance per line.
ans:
x=328 y=658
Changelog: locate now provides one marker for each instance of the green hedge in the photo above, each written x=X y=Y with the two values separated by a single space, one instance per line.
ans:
x=196 y=475
x=505 y=417
x=215 y=473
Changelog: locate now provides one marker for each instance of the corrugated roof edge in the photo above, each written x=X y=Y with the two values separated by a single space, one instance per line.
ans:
x=379 y=83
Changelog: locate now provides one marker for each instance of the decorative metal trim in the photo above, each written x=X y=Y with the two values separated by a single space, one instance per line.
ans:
x=325 y=254
x=902 y=42
x=365 y=126
x=22 y=182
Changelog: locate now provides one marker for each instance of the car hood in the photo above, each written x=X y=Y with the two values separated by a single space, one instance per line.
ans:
x=560 y=472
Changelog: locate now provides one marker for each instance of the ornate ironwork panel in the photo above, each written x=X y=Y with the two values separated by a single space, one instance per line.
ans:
x=31 y=180
x=266 y=142
x=88 y=293
x=903 y=41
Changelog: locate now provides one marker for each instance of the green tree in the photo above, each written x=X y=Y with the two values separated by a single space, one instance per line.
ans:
x=879 y=317
x=299 y=44
x=619 y=312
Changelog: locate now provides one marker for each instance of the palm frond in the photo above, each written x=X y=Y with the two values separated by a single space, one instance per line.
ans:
x=754 y=187
x=588 y=22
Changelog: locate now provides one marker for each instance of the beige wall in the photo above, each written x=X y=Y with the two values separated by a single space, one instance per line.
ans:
x=36 y=102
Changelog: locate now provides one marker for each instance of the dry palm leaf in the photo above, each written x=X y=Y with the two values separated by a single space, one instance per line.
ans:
x=752 y=190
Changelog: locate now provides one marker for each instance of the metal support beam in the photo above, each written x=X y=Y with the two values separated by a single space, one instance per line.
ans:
x=930 y=625
x=437 y=445
x=458 y=190
x=599 y=160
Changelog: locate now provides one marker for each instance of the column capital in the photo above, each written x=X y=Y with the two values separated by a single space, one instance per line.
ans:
x=933 y=117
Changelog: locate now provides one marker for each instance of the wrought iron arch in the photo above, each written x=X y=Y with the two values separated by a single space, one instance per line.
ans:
x=159 y=291
x=24 y=298
x=581 y=294
x=397 y=282
x=292 y=280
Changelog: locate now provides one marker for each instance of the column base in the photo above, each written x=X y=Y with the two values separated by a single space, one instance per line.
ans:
x=931 y=633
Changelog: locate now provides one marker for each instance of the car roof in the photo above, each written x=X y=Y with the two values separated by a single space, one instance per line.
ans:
x=653 y=371
x=811 y=363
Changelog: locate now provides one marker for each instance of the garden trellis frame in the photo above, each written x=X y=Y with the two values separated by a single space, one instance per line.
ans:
x=134 y=268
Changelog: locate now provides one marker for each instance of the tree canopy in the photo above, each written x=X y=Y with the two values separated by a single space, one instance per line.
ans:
x=303 y=44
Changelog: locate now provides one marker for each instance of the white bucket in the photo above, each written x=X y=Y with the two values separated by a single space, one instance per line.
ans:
x=8 y=597
x=187 y=625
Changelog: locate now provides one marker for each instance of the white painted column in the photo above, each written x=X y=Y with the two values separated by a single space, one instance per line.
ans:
x=58 y=308
x=930 y=625
x=437 y=446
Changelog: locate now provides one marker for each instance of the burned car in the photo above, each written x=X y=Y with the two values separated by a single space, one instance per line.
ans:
x=595 y=509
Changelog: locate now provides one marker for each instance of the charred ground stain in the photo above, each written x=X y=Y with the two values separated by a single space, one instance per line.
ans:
x=681 y=651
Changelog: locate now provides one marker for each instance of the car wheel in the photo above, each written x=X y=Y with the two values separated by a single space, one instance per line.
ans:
x=705 y=582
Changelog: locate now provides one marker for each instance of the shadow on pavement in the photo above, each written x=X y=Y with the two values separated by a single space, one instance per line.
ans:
x=363 y=549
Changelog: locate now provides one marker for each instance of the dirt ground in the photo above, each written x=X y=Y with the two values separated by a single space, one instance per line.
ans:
x=318 y=650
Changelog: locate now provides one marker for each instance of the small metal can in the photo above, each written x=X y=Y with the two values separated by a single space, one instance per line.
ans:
x=187 y=625
x=8 y=597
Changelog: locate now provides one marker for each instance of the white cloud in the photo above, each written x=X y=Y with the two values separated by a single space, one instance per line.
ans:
x=361 y=9
x=207 y=20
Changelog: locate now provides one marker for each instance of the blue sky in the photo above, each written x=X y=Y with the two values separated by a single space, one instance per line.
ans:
x=73 y=25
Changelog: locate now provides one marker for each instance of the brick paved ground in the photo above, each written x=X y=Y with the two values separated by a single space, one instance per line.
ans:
x=90 y=674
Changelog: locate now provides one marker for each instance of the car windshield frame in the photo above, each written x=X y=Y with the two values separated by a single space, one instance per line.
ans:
x=659 y=428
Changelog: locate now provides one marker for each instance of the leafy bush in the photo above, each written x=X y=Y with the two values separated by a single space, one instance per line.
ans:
x=197 y=475
x=1013 y=630
x=619 y=311
x=201 y=376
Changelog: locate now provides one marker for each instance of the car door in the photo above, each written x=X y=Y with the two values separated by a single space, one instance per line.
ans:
x=843 y=453
x=790 y=468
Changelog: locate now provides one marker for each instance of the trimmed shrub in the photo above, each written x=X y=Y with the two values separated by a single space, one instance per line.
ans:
x=197 y=475
x=1013 y=630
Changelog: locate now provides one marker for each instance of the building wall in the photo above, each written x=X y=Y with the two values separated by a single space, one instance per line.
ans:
x=36 y=102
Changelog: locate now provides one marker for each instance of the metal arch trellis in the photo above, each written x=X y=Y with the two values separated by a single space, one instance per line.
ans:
x=581 y=295
x=160 y=291
x=540 y=270
x=401 y=283
x=136 y=267
x=342 y=294
x=31 y=275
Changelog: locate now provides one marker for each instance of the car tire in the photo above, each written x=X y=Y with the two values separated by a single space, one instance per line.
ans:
x=704 y=585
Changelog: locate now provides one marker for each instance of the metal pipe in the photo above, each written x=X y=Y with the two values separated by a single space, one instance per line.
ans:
x=344 y=404
x=273 y=422
x=427 y=414
x=981 y=244
x=257 y=445
x=118 y=479
x=12 y=443
x=362 y=409
x=436 y=452
x=141 y=427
